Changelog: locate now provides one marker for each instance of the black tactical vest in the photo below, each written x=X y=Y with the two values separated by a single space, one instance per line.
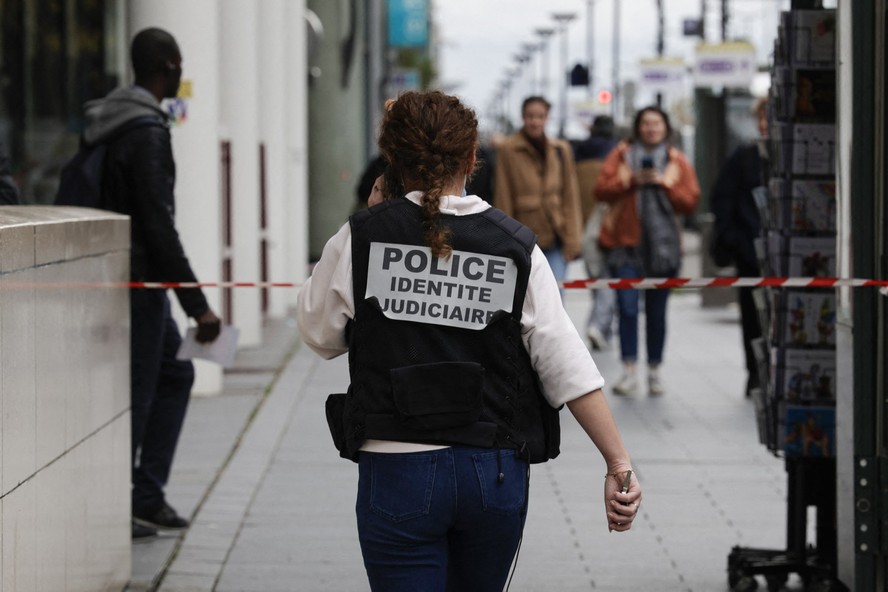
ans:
x=435 y=349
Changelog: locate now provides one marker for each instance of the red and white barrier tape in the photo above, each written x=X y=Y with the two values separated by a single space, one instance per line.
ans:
x=167 y=285
x=591 y=283
x=723 y=282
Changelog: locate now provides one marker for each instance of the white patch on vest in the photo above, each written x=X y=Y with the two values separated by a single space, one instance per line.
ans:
x=463 y=290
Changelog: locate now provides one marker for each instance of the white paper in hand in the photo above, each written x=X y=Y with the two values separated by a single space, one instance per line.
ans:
x=221 y=350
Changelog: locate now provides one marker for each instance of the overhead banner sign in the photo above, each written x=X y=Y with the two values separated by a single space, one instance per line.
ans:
x=408 y=23
x=729 y=64
x=662 y=75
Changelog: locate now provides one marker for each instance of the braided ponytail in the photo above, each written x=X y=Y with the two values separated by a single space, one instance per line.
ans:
x=428 y=139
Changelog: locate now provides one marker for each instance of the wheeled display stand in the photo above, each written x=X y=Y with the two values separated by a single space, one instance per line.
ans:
x=795 y=406
x=811 y=482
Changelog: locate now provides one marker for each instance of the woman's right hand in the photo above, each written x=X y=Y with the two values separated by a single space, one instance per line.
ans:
x=621 y=508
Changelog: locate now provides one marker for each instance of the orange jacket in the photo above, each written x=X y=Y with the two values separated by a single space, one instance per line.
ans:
x=616 y=186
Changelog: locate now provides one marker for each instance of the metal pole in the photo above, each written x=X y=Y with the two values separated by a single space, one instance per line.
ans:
x=590 y=48
x=562 y=109
x=703 y=20
x=725 y=17
x=660 y=28
x=615 y=65
x=563 y=19
x=529 y=50
x=660 y=42
x=544 y=34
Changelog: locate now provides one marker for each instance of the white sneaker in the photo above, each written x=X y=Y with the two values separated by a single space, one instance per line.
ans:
x=628 y=385
x=655 y=387
x=596 y=338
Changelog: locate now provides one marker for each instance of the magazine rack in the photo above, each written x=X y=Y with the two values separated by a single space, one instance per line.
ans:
x=795 y=405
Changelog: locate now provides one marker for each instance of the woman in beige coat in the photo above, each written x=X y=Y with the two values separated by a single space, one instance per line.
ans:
x=536 y=183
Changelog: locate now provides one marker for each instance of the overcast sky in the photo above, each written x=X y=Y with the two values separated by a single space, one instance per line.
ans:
x=478 y=38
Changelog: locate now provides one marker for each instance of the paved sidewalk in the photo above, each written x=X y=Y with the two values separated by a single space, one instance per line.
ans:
x=273 y=505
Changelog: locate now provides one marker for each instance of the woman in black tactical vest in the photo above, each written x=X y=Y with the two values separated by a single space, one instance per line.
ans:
x=460 y=355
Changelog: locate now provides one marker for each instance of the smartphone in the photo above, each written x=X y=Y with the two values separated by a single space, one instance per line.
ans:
x=647 y=162
x=626 y=482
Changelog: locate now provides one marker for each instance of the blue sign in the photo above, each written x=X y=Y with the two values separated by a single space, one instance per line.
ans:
x=408 y=23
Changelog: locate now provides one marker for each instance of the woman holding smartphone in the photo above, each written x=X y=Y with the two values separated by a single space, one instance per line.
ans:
x=648 y=183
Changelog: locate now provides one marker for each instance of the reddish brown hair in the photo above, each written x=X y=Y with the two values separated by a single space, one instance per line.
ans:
x=428 y=139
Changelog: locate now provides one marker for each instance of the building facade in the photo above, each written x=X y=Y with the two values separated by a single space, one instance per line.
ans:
x=240 y=135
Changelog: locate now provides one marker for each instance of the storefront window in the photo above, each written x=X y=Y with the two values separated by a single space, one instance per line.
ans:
x=54 y=56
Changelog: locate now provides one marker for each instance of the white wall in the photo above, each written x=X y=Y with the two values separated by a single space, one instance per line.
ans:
x=64 y=400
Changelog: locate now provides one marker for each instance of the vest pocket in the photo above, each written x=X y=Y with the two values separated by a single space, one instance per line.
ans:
x=438 y=396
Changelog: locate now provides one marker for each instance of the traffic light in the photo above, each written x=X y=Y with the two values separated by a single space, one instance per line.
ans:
x=605 y=96
x=579 y=75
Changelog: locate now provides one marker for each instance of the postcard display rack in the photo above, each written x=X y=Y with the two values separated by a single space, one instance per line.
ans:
x=795 y=406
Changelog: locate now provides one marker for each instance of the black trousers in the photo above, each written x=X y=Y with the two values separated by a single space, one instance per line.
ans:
x=749 y=320
x=160 y=390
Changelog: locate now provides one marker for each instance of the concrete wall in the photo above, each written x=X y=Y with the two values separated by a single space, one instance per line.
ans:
x=64 y=401
x=336 y=128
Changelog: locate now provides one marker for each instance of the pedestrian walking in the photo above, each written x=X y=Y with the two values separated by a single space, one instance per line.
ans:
x=737 y=225
x=138 y=180
x=535 y=181
x=647 y=183
x=590 y=155
x=460 y=355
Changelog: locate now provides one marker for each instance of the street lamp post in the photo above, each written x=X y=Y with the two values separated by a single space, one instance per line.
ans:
x=544 y=34
x=661 y=41
x=563 y=19
x=520 y=60
x=512 y=74
x=529 y=49
x=590 y=48
x=507 y=104
x=615 y=67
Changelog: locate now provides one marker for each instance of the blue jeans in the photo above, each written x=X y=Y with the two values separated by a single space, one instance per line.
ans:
x=441 y=521
x=555 y=257
x=604 y=303
x=655 y=318
x=160 y=389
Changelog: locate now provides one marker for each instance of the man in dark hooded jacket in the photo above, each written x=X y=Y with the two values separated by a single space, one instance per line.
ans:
x=138 y=180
